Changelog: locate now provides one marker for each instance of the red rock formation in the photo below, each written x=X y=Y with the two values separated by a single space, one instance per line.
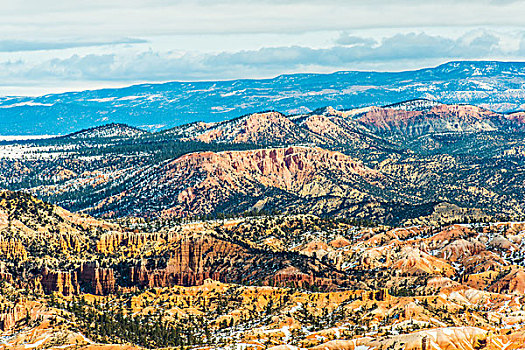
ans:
x=140 y=275
x=102 y=280
x=10 y=315
x=440 y=118
x=376 y=295
x=512 y=283
x=197 y=258
x=99 y=280
x=191 y=263
x=461 y=249
x=198 y=183
x=483 y=261
x=292 y=276
x=64 y=282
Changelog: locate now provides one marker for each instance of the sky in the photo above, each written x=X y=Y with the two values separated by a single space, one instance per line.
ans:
x=56 y=46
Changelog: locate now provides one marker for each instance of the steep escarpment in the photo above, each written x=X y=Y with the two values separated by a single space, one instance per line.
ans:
x=440 y=118
x=57 y=251
x=196 y=258
x=90 y=277
x=234 y=181
x=188 y=260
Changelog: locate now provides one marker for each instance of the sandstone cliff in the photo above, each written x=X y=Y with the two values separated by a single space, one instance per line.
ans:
x=202 y=183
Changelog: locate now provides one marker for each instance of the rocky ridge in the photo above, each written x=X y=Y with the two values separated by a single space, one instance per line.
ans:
x=112 y=130
x=426 y=157
x=200 y=183
x=407 y=120
x=494 y=85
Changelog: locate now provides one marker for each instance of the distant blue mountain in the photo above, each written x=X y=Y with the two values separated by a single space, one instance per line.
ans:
x=496 y=85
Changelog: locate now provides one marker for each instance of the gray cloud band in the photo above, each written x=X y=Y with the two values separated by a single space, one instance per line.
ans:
x=152 y=65
x=24 y=45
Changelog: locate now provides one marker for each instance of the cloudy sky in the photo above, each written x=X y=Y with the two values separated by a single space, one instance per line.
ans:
x=61 y=45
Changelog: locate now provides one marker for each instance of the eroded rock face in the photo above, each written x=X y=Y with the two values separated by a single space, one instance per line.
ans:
x=453 y=338
x=94 y=279
x=63 y=282
x=417 y=287
x=461 y=249
x=440 y=118
x=10 y=315
x=380 y=295
x=102 y=280
x=12 y=249
x=198 y=258
x=201 y=183
x=194 y=260
x=111 y=242
x=258 y=128
x=513 y=282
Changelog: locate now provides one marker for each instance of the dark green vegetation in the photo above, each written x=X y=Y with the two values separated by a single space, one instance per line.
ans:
x=433 y=163
x=81 y=156
x=151 y=331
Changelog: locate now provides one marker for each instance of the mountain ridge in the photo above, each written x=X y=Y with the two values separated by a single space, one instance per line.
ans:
x=424 y=153
x=272 y=127
x=107 y=131
x=496 y=85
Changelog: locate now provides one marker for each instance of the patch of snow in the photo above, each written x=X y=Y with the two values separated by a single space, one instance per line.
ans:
x=105 y=99
x=27 y=103
x=129 y=98
x=25 y=137
x=362 y=347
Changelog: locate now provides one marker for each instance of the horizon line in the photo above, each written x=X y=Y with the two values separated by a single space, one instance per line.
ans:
x=124 y=85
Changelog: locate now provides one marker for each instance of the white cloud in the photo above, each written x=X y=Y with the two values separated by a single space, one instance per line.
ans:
x=348 y=40
x=26 y=45
x=63 y=19
x=160 y=66
x=59 y=42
